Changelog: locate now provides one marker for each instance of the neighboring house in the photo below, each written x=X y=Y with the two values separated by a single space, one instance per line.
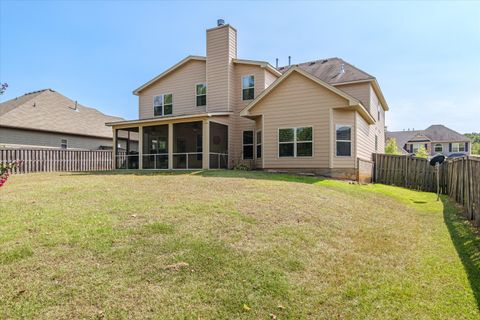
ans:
x=436 y=139
x=219 y=111
x=47 y=119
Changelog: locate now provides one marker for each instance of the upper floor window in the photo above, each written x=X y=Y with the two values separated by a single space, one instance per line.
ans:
x=247 y=145
x=63 y=144
x=163 y=105
x=259 y=143
x=343 y=143
x=248 y=84
x=295 y=142
x=378 y=113
x=438 y=147
x=416 y=147
x=201 y=93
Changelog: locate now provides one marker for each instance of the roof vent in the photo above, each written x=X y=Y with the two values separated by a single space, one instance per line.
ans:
x=324 y=61
x=220 y=22
x=312 y=63
x=289 y=60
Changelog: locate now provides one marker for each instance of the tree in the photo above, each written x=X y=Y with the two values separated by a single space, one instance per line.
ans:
x=391 y=147
x=3 y=87
x=421 y=153
x=475 y=137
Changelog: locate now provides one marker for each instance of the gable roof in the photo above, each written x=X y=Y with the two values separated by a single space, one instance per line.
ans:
x=435 y=133
x=330 y=70
x=263 y=64
x=352 y=102
x=336 y=71
x=168 y=71
x=48 y=110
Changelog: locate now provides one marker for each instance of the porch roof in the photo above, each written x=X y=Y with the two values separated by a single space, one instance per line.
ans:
x=168 y=118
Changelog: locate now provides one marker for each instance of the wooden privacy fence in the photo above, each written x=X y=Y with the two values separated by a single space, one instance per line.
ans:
x=459 y=178
x=45 y=160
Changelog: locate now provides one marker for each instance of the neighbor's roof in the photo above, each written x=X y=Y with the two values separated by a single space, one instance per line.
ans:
x=435 y=133
x=48 y=110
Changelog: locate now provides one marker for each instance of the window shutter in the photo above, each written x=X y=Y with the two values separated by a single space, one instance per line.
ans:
x=426 y=146
x=450 y=147
x=466 y=146
x=405 y=147
x=411 y=148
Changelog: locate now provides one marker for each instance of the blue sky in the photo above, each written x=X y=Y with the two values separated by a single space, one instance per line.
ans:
x=426 y=56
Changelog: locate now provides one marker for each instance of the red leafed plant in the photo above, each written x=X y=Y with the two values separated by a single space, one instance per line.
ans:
x=5 y=169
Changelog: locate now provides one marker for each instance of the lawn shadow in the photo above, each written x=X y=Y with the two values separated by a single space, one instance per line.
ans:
x=257 y=175
x=466 y=240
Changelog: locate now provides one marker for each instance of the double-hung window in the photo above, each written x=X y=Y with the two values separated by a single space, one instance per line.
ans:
x=295 y=142
x=247 y=145
x=259 y=144
x=64 y=144
x=416 y=147
x=163 y=105
x=343 y=140
x=458 y=147
x=201 y=94
x=438 y=147
x=248 y=87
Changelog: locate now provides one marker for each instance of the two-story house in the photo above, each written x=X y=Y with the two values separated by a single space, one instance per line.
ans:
x=218 y=111
x=436 y=139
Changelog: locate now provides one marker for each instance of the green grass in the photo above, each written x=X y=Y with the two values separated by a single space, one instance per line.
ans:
x=231 y=245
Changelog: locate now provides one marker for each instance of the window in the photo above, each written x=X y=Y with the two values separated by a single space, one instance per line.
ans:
x=376 y=143
x=248 y=84
x=201 y=93
x=259 y=143
x=343 y=140
x=162 y=105
x=247 y=145
x=64 y=144
x=295 y=142
x=438 y=147
x=416 y=146
x=458 y=147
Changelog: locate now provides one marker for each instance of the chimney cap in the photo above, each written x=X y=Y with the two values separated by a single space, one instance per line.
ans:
x=220 y=22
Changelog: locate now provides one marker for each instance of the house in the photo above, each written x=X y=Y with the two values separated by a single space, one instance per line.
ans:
x=436 y=139
x=218 y=111
x=47 y=119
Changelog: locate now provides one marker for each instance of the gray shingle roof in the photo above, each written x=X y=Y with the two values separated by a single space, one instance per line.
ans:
x=48 y=110
x=435 y=133
x=332 y=70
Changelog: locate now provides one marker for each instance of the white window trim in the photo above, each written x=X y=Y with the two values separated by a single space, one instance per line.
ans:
x=241 y=93
x=163 y=104
x=419 y=145
x=249 y=144
x=199 y=95
x=295 y=142
x=258 y=144
x=351 y=140
x=435 y=147
x=66 y=144
x=458 y=145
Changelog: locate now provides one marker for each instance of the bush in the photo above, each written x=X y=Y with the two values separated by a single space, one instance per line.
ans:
x=241 y=166
x=5 y=169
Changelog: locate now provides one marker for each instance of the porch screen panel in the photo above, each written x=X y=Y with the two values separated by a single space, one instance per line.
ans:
x=126 y=156
x=155 y=147
x=187 y=145
x=218 y=146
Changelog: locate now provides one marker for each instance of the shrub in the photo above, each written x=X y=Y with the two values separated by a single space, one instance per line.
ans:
x=5 y=169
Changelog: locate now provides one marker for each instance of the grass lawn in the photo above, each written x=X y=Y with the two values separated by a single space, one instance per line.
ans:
x=231 y=245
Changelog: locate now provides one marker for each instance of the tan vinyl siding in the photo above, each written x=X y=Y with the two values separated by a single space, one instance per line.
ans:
x=360 y=91
x=221 y=49
x=298 y=102
x=269 y=78
x=344 y=117
x=366 y=133
x=10 y=137
x=181 y=83
x=258 y=127
x=239 y=124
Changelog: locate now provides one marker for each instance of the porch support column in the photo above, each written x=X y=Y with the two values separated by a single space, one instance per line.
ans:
x=170 y=146
x=114 y=149
x=205 y=144
x=140 y=147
